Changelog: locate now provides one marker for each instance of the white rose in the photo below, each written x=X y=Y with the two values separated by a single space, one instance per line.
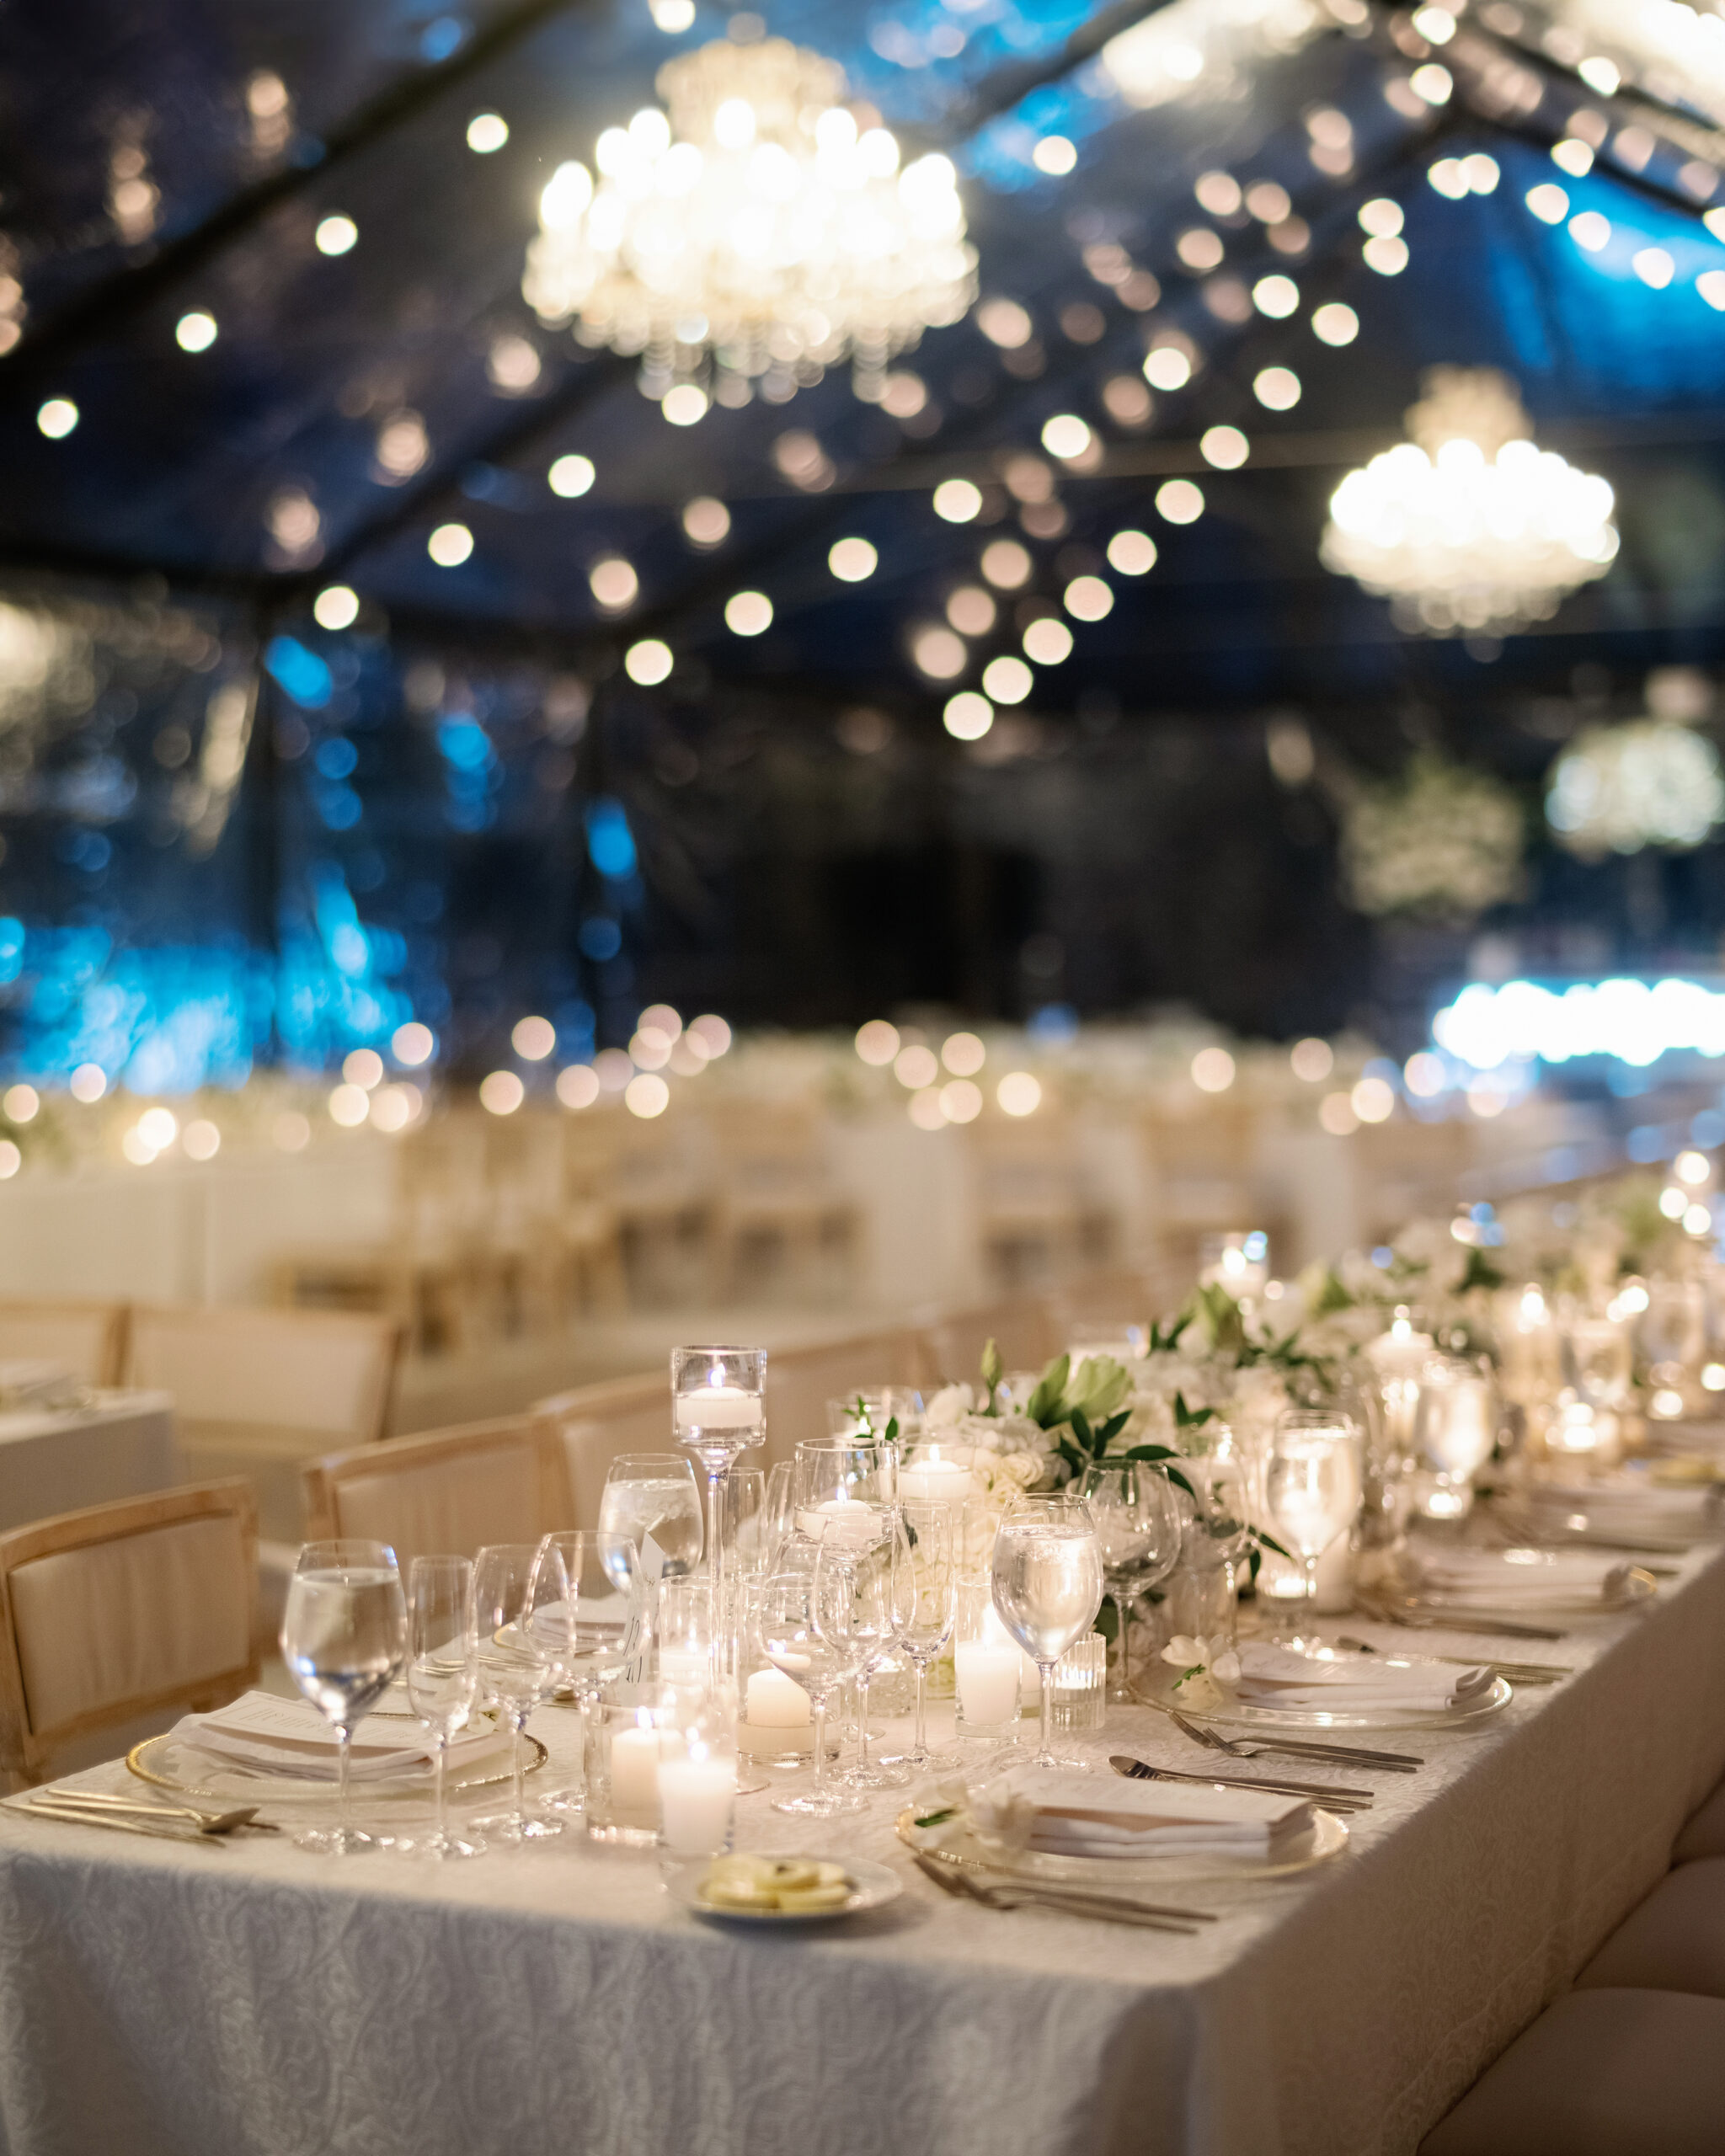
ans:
x=948 y=1407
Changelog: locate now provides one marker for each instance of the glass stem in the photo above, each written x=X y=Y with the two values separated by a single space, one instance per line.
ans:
x=921 y=1746
x=344 y=1738
x=1044 y=1756
x=820 y=1746
x=715 y=1564
x=442 y=1804
x=519 y=1722
x=862 y=1683
x=1311 y=1587
x=1121 y=1639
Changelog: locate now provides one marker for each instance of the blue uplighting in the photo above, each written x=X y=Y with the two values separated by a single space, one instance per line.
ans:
x=609 y=841
x=300 y=673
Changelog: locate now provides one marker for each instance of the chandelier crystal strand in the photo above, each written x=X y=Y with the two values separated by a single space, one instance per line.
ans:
x=756 y=233
x=1468 y=526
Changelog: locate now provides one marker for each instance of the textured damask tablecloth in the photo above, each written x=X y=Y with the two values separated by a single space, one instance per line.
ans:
x=251 y=2001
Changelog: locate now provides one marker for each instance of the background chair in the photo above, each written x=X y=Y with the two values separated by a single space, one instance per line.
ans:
x=801 y=1380
x=141 y=1609
x=255 y=1392
x=950 y=1346
x=443 y=1491
x=594 y=1422
x=88 y=1339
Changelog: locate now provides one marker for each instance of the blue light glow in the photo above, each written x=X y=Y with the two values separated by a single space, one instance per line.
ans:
x=1631 y=1021
x=300 y=673
x=609 y=841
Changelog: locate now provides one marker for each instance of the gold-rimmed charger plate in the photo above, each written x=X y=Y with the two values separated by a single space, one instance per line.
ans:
x=957 y=1838
x=171 y=1762
x=1161 y=1692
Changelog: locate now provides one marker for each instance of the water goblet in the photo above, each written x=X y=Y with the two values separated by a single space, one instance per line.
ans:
x=442 y=1679
x=521 y=1600
x=1047 y=1587
x=859 y=1556
x=1313 y=1483
x=925 y=1588
x=1138 y=1526
x=652 y=1498
x=818 y=1657
x=605 y=1623
x=344 y=1638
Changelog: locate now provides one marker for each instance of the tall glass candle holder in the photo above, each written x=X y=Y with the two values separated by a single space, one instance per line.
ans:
x=718 y=1411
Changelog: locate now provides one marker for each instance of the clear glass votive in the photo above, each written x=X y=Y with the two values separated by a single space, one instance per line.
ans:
x=685 y=1632
x=1081 y=1685
x=627 y=1734
x=988 y=1668
x=698 y=1775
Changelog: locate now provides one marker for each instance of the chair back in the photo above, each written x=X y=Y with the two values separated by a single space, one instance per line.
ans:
x=88 y=1339
x=443 y=1491
x=123 y=1610
x=594 y=1422
x=950 y=1347
x=323 y=1376
x=801 y=1380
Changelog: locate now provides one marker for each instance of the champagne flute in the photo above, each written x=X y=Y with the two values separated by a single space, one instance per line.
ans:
x=1047 y=1587
x=652 y=1498
x=817 y=1658
x=520 y=1595
x=442 y=1677
x=856 y=1598
x=604 y=1622
x=1138 y=1526
x=344 y=1638
x=1313 y=1483
x=925 y=1585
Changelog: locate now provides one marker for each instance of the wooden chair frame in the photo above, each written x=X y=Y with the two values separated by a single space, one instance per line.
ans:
x=374 y=1417
x=116 y=1344
x=24 y=1751
x=324 y=1478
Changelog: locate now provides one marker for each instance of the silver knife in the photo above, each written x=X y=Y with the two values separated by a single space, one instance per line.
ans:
x=1357 y=1800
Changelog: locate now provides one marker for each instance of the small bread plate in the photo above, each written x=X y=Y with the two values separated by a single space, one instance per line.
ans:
x=1360 y=1715
x=954 y=1838
x=790 y=1874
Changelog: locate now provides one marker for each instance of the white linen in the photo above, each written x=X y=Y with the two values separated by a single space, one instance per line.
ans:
x=1503 y=1579
x=256 y=2001
x=290 y=1737
x=1280 y=1677
x=52 y=1461
x=1090 y=1815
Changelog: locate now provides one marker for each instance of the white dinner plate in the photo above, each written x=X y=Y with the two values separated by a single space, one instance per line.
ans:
x=957 y=1838
x=872 y=1885
x=1627 y=1591
x=168 y=1762
x=1359 y=1716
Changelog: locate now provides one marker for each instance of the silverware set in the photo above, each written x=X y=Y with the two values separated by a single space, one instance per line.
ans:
x=956 y=1877
x=1330 y=1796
x=1518 y=1673
x=176 y=1823
x=1336 y=1755
x=1408 y=1616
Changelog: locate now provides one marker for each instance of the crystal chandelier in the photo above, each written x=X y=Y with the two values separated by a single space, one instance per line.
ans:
x=753 y=238
x=1468 y=526
x=1653 y=782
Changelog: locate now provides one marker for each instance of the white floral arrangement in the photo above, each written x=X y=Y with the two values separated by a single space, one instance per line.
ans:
x=1209 y=1668
x=1005 y=1452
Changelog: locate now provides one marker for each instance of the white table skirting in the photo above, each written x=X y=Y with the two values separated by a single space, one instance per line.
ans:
x=251 y=2001
x=120 y=1446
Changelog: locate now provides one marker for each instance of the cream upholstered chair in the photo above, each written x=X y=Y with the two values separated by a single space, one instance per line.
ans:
x=88 y=1338
x=1023 y=1326
x=594 y=1422
x=444 y=1491
x=801 y=1380
x=256 y=1391
x=122 y=1611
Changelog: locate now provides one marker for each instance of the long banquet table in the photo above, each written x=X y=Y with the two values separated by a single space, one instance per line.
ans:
x=57 y=1459
x=248 y=2000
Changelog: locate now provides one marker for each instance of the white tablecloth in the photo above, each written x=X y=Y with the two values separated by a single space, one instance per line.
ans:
x=120 y=1446
x=251 y=2001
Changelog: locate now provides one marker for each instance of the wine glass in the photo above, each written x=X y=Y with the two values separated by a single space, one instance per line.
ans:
x=1138 y=1528
x=718 y=1411
x=442 y=1677
x=344 y=1638
x=831 y=1473
x=521 y=1600
x=857 y=1555
x=778 y=1512
x=810 y=1655
x=652 y=1498
x=925 y=1588
x=1047 y=1587
x=1313 y=1483
x=605 y=1619
x=744 y=1523
x=1221 y=1517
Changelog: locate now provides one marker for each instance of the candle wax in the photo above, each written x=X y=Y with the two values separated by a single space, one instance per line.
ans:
x=776 y=1701
x=695 y=1798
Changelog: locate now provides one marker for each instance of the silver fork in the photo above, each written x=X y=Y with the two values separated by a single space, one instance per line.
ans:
x=950 y=1860
x=1337 y=1755
x=219 y=1820
x=993 y=1896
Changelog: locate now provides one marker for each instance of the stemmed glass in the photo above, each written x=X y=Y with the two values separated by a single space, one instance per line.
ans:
x=857 y=1555
x=1048 y=1585
x=1138 y=1527
x=1223 y=1514
x=778 y=1512
x=1313 y=1483
x=651 y=1498
x=817 y=1657
x=604 y=1618
x=344 y=1638
x=443 y=1676
x=520 y=1598
x=925 y=1589
x=718 y=1411
x=838 y=1488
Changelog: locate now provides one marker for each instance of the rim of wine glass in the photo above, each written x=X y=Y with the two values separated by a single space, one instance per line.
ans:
x=329 y=1562
x=1319 y=1418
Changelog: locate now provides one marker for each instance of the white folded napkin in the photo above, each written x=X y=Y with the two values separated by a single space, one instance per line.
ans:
x=1280 y=1677
x=1061 y=1814
x=290 y=1737
x=1500 y=1579
x=39 y=1385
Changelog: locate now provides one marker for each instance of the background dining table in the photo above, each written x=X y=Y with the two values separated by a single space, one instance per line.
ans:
x=248 y=1999
x=118 y=1444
